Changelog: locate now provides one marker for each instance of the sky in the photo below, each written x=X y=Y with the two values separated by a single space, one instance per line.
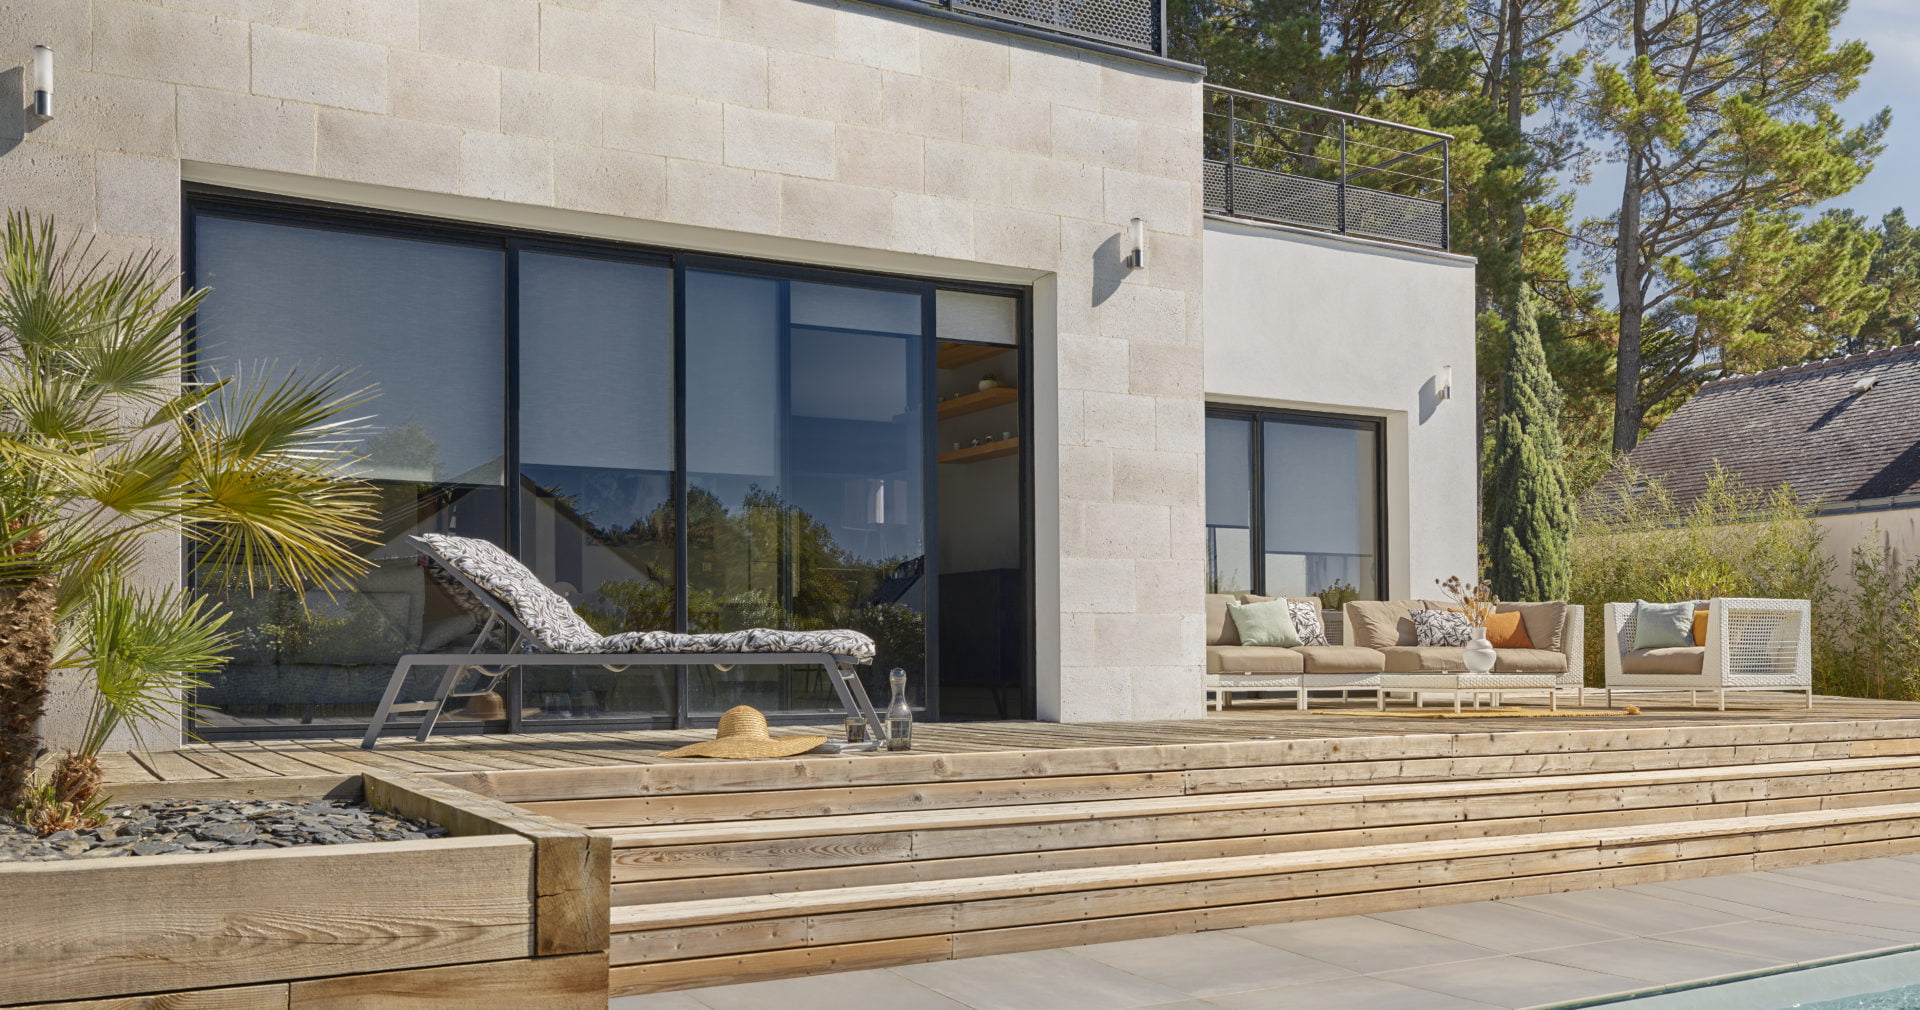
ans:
x=1891 y=28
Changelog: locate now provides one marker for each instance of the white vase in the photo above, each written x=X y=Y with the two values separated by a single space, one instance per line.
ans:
x=1479 y=652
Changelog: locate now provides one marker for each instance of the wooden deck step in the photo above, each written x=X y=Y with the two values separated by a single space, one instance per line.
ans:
x=1304 y=762
x=650 y=866
x=907 y=794
x=672 y=944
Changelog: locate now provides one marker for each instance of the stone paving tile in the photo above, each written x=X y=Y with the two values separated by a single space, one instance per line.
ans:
x=1778 y=894
x=1363 y=943
x=1892 y=935
x=1209 y=964
x=1780 y=942
x=1511 y=981
x=1344 y=994
x=1039 y=980
x=826 y=992
x=1741 y=912
x=1629 y=912
x=1652 y=960
x=1889 y=878
x=1509 y=929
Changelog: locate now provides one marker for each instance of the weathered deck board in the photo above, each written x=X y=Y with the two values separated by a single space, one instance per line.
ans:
x=1330 y=720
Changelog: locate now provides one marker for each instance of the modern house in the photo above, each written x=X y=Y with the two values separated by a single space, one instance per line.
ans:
x=981 y=326
x=1843 y=433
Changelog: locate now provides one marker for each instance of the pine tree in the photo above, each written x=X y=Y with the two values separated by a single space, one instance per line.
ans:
x=1714 y=109
x=1532 y=513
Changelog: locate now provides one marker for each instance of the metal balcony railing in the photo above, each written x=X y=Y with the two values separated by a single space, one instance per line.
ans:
x=1271 y=159
x=1129 y=24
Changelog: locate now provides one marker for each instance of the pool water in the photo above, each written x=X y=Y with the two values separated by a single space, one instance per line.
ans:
x=1886 y=980
x=1907 y=997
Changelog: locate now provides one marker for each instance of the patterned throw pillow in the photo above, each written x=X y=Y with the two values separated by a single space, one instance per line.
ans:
x=1307 y=623
x=1441 y=628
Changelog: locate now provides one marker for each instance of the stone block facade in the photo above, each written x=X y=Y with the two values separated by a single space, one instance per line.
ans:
x=817 y=132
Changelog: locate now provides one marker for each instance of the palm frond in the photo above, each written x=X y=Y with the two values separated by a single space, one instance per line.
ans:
x=148 y=652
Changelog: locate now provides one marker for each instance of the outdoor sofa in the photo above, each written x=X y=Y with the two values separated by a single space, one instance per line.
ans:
x=1378 y=641
x=1746 y=645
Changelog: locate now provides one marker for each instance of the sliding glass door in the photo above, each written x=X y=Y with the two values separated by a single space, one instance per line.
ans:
x=595 y=391
x=690 y=443
x=806 y=476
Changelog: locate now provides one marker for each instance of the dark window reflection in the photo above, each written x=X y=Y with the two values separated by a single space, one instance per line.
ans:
x=805 y=472
x=596 y=466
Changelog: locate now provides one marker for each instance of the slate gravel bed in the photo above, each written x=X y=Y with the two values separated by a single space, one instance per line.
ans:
x=163 y=826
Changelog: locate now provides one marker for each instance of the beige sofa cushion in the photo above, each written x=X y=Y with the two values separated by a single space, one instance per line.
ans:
x=1424 y=658
x=1378 y=624
x=1545 y=623
x=1220 y=630
x=1682 y=660
x=1340 y=659
x=1252 y=659
x=1529 y=660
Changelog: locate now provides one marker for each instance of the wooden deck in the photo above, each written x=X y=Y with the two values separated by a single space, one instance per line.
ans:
x=253 y=759
x=997 y=837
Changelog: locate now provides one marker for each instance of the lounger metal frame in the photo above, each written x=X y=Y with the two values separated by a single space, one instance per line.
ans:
x=524 y=650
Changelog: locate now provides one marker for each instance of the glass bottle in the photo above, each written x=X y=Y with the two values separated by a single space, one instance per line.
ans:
x=899 y=713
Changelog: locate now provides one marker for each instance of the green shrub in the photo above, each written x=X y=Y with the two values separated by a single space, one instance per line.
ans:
x=1640 y=544
x=1867 y=644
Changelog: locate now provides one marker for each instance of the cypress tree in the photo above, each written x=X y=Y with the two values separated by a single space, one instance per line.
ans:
x=1532 y=514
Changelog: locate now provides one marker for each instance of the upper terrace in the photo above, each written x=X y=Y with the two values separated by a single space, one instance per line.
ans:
x=1286 y=162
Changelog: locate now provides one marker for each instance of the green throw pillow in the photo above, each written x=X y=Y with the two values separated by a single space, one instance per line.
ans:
x=1662 y=625
x=1269 y=623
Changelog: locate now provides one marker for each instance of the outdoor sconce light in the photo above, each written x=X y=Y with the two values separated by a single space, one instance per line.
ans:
x=43 y=82
x=1444 y=391
x=1139 y=257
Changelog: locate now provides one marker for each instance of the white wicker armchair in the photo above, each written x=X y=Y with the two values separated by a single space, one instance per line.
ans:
x=1751 y=645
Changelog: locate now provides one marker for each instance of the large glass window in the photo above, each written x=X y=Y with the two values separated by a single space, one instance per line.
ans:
x=596 y=464
x=701 y=446
x=1293 y=504
x=424 y=322
x=806 y=475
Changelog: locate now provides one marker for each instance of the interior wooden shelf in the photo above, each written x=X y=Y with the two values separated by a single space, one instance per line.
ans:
x=953 y=355
x=987 y=450
x=982 y=400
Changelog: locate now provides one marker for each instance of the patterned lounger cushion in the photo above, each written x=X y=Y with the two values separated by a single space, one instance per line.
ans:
x=556 y=627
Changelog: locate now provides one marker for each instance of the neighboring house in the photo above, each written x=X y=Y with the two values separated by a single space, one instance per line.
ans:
x=1843 y=433
x=701 y=307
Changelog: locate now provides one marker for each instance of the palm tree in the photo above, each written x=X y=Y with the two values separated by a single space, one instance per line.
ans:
x=109 y=456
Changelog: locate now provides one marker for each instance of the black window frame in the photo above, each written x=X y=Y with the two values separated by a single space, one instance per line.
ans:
x=1256 y=463
x=199 y=199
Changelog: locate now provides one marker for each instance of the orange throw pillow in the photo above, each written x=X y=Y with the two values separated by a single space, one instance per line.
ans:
x=1505 y=631
x=1699 y=627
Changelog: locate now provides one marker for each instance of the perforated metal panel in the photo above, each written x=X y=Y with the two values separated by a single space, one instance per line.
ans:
x=1134 y=24
x=1289 y=199
x=1213 y=177
x=1393 y=216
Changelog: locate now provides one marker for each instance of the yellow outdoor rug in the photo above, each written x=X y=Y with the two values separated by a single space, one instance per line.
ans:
x=1471 y=713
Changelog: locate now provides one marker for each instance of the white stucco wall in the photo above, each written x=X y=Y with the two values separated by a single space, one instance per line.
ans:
x=1320 y=322
x=814 y=131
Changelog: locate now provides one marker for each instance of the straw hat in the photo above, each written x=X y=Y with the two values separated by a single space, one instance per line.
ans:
x=743 y=734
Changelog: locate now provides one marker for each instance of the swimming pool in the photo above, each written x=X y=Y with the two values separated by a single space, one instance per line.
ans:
x=1878 y=980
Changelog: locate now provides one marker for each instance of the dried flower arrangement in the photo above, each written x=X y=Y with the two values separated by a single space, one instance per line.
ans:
x=1476 y=600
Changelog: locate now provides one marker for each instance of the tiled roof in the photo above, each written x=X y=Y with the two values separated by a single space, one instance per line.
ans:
x=1799 y=425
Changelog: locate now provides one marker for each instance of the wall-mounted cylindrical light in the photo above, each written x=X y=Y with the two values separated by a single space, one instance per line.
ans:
x=1445 y=387
x=43 y=81
x=1139 y=258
